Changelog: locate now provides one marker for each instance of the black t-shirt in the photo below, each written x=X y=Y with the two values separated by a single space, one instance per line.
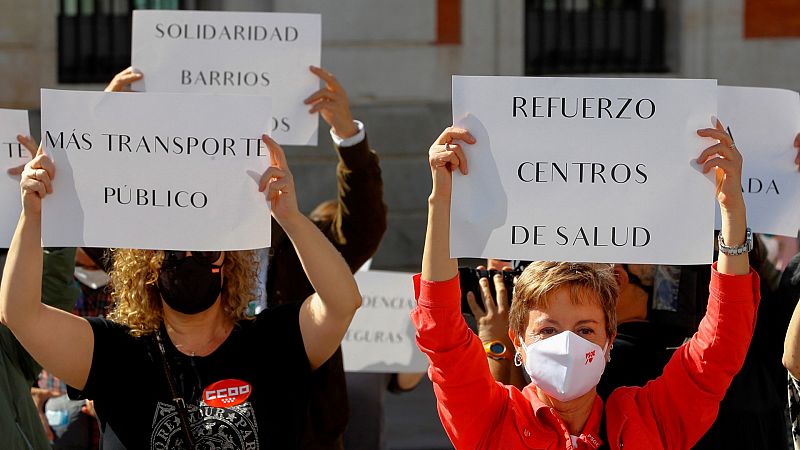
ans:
x=250 y=393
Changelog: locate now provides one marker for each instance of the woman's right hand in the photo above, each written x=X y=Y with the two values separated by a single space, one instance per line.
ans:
x=37 y=181
x=447 y=155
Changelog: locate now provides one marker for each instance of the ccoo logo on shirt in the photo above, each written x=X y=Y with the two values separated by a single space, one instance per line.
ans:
x=227 y=393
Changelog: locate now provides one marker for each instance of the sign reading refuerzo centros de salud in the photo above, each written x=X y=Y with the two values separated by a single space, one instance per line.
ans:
x=234 y=53
x=584 y=169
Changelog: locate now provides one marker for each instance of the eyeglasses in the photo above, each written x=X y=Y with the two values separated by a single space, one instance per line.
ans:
x=174 y=256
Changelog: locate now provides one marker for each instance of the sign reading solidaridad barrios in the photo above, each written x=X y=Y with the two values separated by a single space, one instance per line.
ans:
x=12 y=154
x=583 y=169
x=156 y=171
x=234 y=53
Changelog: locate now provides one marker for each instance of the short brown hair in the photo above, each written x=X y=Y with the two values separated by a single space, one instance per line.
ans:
x=586 y=281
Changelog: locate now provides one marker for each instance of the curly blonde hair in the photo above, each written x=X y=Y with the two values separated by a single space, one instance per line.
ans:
x=137 y=303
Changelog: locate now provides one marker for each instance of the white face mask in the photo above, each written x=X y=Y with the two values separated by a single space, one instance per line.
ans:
x=565 y=366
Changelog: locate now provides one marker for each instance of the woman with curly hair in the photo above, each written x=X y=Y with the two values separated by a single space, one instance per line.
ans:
x=178 y=364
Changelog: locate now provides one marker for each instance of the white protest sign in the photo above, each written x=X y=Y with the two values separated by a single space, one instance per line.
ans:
x=764 y=123
x=583 y=169
x=156 y=171
x=234 y=53
x=12 y=154
x=381 y=337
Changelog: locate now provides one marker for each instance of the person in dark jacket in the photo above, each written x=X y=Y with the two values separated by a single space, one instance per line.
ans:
x=356 y=230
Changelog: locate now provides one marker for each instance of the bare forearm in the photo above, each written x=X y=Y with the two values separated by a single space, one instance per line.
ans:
x=325 y=268
x=436 y=262
x=21 y=289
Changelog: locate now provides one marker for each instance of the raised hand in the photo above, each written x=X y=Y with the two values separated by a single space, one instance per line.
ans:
x=278 y=183
x=492 y=319
x=123 y=80
x=726 y=159
x=37 y=181
x=445 y=156
x=332 y=104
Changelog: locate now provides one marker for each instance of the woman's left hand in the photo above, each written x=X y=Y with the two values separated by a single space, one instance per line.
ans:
x=725 y=158
x=278 y=183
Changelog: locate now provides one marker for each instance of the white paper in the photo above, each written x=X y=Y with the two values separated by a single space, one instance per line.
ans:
x=381 y=337
x=764 y=123
x=12 y=154
x=234 y=53
x=104 y=194
x=662 y=213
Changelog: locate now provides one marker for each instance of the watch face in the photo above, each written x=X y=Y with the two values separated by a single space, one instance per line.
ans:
x=497 y=348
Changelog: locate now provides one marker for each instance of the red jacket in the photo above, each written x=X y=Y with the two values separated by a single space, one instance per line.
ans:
x=671 y=412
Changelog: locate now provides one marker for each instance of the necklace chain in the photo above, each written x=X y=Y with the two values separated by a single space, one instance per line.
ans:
x=211 y=341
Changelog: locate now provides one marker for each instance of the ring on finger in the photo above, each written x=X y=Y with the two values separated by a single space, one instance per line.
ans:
x=447 y=146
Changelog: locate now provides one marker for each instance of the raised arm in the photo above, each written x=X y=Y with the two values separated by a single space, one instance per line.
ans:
x=492 y=321
x=326 y=315
x=59 y=341
x=727 y=165
x=685 y=399
x=468 y=398
x=360 y=220
x=444 y=157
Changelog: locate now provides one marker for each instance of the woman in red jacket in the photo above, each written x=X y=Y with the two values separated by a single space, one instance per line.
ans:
x=562 y=325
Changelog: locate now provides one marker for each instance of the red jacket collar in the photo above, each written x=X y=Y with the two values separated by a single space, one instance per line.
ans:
x=590 y=436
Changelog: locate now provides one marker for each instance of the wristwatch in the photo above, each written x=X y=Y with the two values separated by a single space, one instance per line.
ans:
x=498 y=351
x=734 y=251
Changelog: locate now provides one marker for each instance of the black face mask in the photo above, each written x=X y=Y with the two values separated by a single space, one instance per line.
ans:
x=189 y=285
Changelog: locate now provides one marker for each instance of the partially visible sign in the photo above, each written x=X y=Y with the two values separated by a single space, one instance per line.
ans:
x=381 y=337
x=12 y=154
x=157 y=171
x=234 y=53
x=764 y=123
